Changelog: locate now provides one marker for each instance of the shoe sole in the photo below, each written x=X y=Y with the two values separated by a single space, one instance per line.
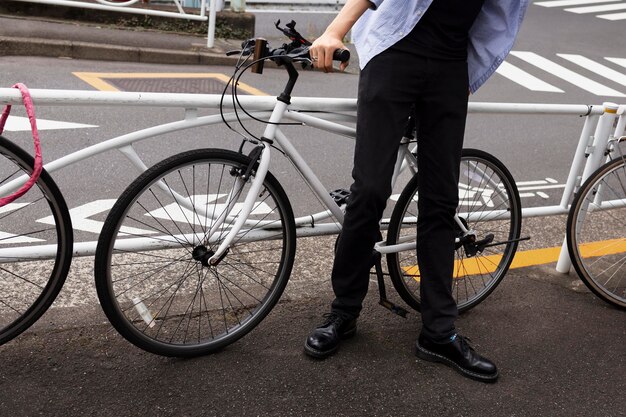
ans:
x=429 y=356
x=319 y=354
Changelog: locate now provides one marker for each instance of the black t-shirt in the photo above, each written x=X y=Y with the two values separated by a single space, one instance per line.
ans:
x=443 y=31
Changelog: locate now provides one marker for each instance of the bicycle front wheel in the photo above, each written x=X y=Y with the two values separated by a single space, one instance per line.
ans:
x=489 y=209
x=596 y=244
x=35 y=245
x=153 y=278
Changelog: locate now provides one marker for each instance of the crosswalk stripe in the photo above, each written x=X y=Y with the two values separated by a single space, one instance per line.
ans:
x=566 y=3
x=597 y=9
x=525 y=79
x=618 y=61
x=566 y=74
x=613 y=16
x=593 y=66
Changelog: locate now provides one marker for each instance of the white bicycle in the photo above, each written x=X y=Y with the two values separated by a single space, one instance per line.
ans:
x=199 y=248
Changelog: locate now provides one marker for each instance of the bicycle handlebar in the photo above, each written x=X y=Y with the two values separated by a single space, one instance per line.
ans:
x=296 y=51
x=286 y=53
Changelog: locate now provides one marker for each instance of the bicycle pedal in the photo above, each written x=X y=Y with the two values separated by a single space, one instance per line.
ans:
x=340 y=196
x=395 y=309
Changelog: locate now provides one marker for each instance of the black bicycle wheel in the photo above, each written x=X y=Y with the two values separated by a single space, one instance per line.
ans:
x=489 y=206
x=595 y=241
x=35 y=245
x=152 y=275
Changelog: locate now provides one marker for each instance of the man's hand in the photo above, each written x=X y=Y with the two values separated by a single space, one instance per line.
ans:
x=322 y=52
x=323 y=48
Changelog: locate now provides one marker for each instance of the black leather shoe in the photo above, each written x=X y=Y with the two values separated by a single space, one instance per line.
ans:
x=325 y=339
x=459 y=355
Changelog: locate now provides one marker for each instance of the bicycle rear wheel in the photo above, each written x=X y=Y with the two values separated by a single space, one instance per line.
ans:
x=35 y=245
x=595 y=233
x=489 y=206
x=152 y=275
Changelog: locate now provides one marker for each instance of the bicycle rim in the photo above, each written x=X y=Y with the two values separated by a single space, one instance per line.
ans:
x=35 y=245
x=152 y=277
x=595 y=240
x=489 y=206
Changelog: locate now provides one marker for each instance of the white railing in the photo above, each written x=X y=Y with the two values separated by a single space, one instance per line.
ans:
x=602 y=122
x=213 y=6
x=292 y=5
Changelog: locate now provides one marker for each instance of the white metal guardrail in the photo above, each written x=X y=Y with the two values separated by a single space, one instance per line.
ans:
x=212 y=5
x=199 y=7
x=292 y=5
x=602 y=122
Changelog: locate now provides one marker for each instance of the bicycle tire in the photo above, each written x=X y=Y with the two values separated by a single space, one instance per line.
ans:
x=476 y=276
x=27 y=289
x=193 y=309
x=594 y=240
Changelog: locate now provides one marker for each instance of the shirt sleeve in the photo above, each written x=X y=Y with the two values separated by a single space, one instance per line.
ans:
x=491 y=38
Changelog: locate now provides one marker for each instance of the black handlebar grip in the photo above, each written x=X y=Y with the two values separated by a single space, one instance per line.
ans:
x=341 y=55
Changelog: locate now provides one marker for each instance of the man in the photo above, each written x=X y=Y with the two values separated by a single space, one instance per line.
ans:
x=428 y=54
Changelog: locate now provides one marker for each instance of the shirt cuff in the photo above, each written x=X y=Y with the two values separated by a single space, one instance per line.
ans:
x=375 y=3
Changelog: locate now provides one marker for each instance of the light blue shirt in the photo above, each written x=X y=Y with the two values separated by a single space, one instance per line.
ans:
x=490 y=41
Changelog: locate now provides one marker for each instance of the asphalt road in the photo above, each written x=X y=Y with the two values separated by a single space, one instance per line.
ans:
x=560 y=350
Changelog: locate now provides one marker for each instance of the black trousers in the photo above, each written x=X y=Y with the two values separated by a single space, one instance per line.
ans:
x=388 y=87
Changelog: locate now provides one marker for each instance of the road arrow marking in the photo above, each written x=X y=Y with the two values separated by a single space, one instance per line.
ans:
x=19 y=124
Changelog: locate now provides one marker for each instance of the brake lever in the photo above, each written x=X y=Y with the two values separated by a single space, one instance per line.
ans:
x=247 y=48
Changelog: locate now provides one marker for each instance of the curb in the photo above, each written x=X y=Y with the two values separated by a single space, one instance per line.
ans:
x=94 y=51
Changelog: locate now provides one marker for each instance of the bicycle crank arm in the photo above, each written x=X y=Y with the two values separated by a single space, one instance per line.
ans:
x=506 y=241
x=395 y=309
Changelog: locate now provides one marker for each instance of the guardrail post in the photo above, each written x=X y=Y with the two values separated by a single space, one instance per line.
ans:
x=210 y=40
x=594 y=159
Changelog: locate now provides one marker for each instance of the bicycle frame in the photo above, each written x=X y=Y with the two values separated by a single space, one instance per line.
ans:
x=405 y=159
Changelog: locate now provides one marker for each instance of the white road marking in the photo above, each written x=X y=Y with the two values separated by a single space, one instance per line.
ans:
x=10 y=238
x=19 y=124
x=542 y=187
x=618 y=61
x=525 y=79
x=81 y=221
x=528 y=183
x=566 y=74
x=598 y=68
x=597 y=9
x=566 y=3
x=613 y=16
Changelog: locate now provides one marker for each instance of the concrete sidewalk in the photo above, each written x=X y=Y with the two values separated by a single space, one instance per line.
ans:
x=34 y=36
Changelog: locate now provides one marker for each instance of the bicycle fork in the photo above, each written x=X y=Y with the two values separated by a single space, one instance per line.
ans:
x=260 y=153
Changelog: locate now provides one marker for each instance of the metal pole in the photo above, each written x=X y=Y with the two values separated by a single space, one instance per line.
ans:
x=211 y=35
x=594 y=160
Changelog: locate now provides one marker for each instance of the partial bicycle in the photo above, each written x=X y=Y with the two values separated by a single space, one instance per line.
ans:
x=595 y=222
x=33 y=214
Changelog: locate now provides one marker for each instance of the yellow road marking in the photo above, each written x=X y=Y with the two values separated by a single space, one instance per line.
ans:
x=97 y=79
x=92 y=79
x=486 y=264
